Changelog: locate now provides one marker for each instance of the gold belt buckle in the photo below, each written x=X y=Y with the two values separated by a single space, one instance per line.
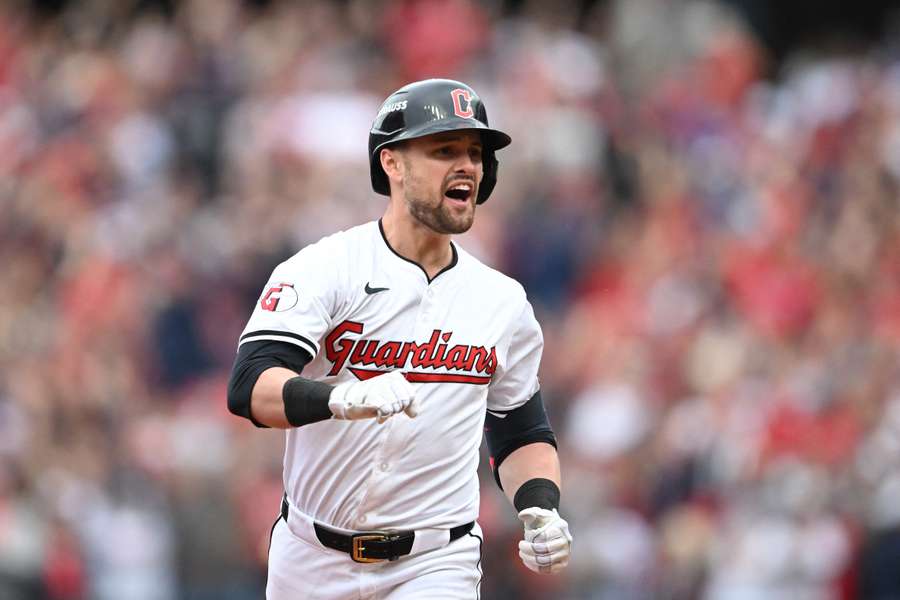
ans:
x=358 y=548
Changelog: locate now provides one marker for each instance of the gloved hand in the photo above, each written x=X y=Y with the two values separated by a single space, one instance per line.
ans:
x=547 y=542
x=379 y=397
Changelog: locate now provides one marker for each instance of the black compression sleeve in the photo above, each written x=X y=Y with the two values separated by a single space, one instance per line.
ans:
x=253 y=358
x=519 y=427
x=537 y=492
x=305 y=401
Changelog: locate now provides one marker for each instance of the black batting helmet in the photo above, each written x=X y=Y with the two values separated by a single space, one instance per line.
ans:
x=433 y=106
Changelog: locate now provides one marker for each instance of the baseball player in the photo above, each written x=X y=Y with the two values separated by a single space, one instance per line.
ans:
x=384 y=351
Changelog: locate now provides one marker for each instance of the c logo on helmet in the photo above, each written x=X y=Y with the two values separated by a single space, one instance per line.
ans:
x=459 y=95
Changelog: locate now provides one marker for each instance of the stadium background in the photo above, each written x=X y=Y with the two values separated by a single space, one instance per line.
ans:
x=701 y=200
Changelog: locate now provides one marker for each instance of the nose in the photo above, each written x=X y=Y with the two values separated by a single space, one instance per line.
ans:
x=467 y=164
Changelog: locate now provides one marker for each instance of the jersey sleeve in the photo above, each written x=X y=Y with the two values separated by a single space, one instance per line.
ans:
x=516 y=380
x=297 y=304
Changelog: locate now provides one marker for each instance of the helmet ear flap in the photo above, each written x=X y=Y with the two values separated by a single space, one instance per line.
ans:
x=376 y=173
x=488 y=177
x=380 y=182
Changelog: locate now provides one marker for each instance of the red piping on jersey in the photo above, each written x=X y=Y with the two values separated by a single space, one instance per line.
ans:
x=364 y=374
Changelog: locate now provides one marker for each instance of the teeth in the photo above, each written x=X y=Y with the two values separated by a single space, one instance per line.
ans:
x=462 y=186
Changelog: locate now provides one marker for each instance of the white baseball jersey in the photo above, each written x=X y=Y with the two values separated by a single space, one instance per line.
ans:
x=467 y=340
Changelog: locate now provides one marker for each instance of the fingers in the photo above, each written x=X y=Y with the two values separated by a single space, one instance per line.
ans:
x=544 y=562
x=547 y=534
x=388 y=409
x=412 y=409
x=403 y=393
x=554 y=567
x=553 y=547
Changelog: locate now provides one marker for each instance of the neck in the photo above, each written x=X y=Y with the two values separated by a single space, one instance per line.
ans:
x=414 y=241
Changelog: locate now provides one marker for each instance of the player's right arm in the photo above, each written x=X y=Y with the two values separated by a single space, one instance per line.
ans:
x=266 y=388
x=257 y=384
x=267 y=399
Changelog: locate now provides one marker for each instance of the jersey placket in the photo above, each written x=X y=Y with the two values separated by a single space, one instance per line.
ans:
x=425 y=317
x=380 y=469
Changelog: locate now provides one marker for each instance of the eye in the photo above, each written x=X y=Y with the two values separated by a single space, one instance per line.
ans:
x=475 y=153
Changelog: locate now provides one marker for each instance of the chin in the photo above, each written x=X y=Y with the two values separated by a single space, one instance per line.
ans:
x=461 y=230
x=463 y=227
x=458 y=223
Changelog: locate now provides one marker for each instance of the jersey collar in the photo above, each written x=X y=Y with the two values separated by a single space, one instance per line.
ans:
x=452 y=263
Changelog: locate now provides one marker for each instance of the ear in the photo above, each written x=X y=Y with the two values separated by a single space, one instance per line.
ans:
x=392 y=164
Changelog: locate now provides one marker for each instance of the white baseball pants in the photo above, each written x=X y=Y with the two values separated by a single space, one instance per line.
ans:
x=301 y=568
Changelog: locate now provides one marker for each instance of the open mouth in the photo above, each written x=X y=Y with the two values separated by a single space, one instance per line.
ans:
x=461 y=191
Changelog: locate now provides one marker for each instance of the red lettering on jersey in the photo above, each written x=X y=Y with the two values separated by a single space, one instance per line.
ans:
x=459 y=95
x=338 y=355
x=479 y=362
x=424 y=357
x=270 y=299
x=456 y=357
x=387 y=354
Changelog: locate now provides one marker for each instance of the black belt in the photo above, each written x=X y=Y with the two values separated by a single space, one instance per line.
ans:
x=372 y=546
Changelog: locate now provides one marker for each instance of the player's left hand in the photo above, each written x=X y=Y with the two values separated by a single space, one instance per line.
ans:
x=548 y=543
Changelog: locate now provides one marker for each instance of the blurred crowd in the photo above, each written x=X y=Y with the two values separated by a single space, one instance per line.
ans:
x=712 y=245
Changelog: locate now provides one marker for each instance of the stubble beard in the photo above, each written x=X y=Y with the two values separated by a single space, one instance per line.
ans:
x=434 y=214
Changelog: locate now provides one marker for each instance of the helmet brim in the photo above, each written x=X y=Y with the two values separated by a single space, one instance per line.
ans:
x=492 y=139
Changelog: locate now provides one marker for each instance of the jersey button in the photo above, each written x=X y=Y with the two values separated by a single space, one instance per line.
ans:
x=361 y=519
x=385 y=466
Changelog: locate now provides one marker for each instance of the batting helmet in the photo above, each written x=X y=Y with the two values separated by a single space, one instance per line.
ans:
x=432 y=106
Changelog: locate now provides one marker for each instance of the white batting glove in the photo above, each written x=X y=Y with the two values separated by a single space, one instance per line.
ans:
x=379 y=397
x=548 y=543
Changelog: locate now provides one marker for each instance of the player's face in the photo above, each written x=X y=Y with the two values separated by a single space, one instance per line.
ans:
x=440 y=179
